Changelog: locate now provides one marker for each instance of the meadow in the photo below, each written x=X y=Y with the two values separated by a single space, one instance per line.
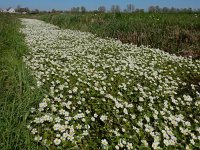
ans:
x=67 y=89
x=171 y=32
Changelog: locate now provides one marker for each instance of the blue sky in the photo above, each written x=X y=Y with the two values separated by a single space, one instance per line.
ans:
x=93 y=4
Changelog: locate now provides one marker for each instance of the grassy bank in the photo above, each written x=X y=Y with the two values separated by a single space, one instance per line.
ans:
x=170 y=32
x=16 y=95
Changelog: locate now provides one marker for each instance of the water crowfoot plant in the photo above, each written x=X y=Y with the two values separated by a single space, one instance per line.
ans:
x=102 y=94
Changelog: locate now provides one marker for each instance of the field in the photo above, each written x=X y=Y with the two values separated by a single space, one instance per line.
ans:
x=67 y=89
x=170 y=32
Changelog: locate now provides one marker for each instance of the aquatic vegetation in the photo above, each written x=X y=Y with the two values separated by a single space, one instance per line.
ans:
x=102 y=94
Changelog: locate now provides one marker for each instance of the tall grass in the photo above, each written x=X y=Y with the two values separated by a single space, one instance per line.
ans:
x=169 y=32
x=16 y=95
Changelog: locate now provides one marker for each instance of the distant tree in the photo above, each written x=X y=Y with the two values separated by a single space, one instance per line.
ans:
x=75 y=9
x=130 y=7
x=165 y=9
x=102 y=9
x=53 y=11
x=139 y=10
x=18 y=8
x=157 y=9
x=95 y=11
x=37 y=11
x=44 y=11
x=83 y=9
x=173 y=9
x=142 y=10
x=22 y=10
x=66 y=11
x=115 y=8
x=190 y=10
x=112 y=8
x=152 y=9
x=178 y=10
x=125 y=10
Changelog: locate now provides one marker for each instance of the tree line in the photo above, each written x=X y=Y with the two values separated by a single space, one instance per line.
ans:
x=130 y=8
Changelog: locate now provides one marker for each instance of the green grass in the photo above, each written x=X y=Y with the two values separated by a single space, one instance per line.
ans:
x=16 y=95
x=169 y=32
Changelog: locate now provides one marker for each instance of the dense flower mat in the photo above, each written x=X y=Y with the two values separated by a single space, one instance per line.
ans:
x=102 y=94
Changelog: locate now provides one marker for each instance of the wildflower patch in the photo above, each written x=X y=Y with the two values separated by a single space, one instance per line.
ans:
x=102 y=94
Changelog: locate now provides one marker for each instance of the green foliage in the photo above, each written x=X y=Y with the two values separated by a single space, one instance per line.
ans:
x=16 y=95
x=169 y=32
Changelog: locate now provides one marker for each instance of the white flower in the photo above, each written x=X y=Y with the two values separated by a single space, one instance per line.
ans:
x=87 y=111
x=33 y=131
x=81 y=92
x=57 y=141
x=102 y=92
x=187 y=147
x=145 y=143
x=62 y=111
x=116 y=147
x=104 y=142
x=43 y=105
x=166 y=142
x=140 y=108
x=130 y=146
x=125 y=111
x=121 y=144
x=85 y=132
x=141 y=99
x=133 y=116
x=65 y=135
x=53 y=108
x=56 y=127
x=75 y=89
x=38 y=138
x=58 y=119
x=155 y=145
x=187 y=123
x=92 y=118
x=58 y=135
x=79 y=126
x=70 y=138
x=28 y=127
x=103 y=118
x=83 y=119
x=61 y=87
x=192 y=141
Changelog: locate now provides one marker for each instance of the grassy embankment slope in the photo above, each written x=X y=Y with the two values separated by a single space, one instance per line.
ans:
x=170 y=32
x=16 y=95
